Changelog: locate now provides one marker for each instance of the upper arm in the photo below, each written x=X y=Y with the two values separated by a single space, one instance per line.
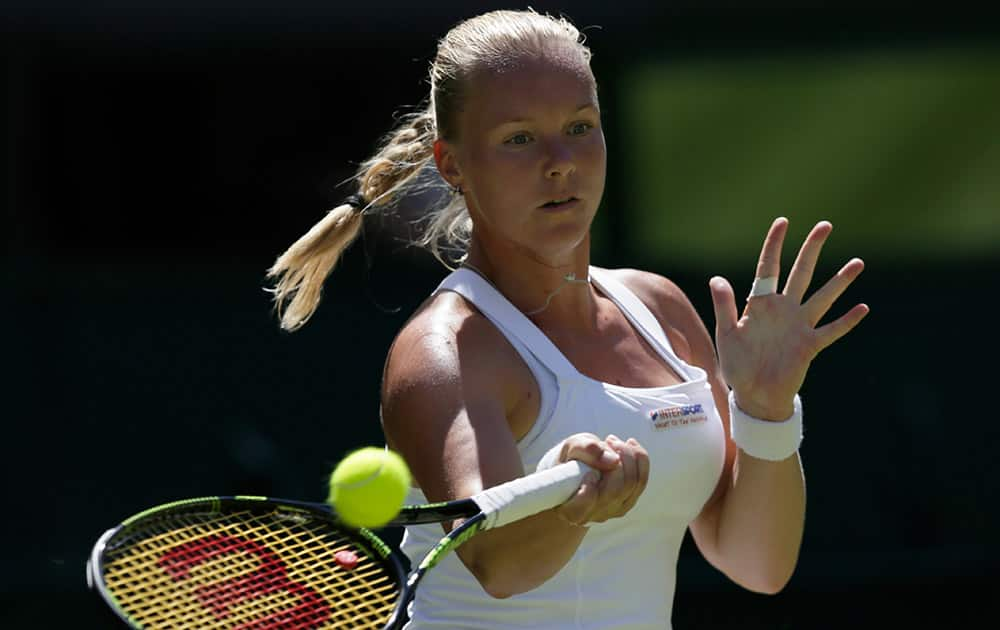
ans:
x=693 y=343
x=443 y=412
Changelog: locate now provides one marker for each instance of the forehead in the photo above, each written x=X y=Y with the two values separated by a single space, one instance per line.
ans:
x=526 y=87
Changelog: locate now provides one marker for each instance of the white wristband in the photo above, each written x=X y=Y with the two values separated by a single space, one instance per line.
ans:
x=763 y=439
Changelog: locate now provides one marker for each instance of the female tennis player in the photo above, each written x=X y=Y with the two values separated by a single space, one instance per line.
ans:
x=526 y=355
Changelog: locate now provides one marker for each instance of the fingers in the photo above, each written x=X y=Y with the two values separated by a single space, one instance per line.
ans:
x=821 y=301
x=805 y=263
x=826 y=335
x=724 y=304
x=620 y=489
x=769 y=264
x=635 y=470
x=591 y=450
x=613 y=493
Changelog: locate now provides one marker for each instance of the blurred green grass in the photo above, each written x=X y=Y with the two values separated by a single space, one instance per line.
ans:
x=899 y=148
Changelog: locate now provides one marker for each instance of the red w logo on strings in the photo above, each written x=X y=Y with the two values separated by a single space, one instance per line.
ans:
x=269 y=577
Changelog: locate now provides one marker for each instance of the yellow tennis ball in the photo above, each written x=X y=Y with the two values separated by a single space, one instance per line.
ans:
x=368 y=487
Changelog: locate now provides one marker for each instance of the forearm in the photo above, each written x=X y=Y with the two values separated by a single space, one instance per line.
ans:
x=760 y=522
x=521 y=556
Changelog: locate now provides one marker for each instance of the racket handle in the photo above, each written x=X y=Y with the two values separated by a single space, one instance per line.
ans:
x=529 y=495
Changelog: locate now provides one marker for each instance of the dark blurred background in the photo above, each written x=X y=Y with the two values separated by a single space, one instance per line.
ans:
x=159 y=155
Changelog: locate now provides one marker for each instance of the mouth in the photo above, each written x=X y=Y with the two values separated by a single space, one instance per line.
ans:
x=560 y=204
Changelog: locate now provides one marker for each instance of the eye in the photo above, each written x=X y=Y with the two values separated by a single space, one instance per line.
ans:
x=580 y=128
x=519 y=139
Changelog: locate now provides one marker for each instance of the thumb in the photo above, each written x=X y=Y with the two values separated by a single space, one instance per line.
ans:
x=724 y=302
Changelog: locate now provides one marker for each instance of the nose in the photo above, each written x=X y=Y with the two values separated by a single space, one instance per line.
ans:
x=560 y=160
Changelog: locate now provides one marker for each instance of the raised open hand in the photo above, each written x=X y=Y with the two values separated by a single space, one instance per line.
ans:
x=766 y=352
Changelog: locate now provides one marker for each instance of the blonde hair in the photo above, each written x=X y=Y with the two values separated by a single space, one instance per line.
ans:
x=404 y=163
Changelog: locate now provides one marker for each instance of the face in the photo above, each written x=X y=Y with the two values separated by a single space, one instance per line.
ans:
x=530 y=134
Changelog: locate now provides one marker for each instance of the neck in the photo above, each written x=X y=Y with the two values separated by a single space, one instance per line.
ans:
x=550 y=293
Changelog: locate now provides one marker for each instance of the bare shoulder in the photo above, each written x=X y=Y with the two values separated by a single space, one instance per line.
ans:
x=428 y=350
x=435 y=364
x=674 y=311
x=651 y=287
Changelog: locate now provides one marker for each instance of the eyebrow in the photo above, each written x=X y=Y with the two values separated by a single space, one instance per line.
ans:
x=524 y=120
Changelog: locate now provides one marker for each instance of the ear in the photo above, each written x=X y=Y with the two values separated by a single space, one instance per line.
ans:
x=447 y=162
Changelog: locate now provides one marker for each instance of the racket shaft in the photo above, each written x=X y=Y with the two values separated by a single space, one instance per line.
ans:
x=435 y=512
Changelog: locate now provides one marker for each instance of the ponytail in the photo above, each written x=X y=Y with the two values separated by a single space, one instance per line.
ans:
x=300 y=272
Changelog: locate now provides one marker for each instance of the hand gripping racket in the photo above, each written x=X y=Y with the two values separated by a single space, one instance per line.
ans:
x=255 y=563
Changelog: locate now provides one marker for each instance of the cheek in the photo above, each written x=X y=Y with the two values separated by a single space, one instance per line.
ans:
x=597 y=151
x=501 y=175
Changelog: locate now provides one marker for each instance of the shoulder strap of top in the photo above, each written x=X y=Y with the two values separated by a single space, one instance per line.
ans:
x=640 y=316
x=507 y=318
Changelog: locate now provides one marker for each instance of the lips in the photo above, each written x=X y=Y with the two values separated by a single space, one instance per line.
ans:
x=557 y=203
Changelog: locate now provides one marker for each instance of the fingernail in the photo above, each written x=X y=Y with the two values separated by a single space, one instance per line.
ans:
x=591 y=478
x=609 y=457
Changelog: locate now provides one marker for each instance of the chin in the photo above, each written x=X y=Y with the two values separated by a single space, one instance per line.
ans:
x=562 y=240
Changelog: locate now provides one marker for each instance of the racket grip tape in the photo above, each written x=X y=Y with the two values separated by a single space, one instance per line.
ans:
x=529 y=495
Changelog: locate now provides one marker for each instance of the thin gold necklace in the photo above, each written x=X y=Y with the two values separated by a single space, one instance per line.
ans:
x=569 y=278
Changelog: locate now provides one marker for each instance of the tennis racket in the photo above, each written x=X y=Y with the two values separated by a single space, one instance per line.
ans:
x=257 y=563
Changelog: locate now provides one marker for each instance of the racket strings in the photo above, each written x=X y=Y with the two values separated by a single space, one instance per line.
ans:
x=246 y=571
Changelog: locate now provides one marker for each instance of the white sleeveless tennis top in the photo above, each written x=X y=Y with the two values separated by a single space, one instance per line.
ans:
x=622 y=575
